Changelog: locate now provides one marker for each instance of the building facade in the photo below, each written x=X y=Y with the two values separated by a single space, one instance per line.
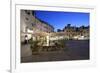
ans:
x=30 y=24
x=72 y=32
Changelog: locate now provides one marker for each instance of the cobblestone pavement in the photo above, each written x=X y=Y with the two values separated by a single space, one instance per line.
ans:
x=75 y=50
x=25 y=50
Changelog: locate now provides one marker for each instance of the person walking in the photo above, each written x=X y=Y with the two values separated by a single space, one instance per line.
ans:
x=26 y=39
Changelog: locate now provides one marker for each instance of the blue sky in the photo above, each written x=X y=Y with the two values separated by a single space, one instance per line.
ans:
x=60 y=19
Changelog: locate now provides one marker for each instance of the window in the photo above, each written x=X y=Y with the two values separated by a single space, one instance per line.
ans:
x=27 y=12
x=27 y=18
x=32 y=24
